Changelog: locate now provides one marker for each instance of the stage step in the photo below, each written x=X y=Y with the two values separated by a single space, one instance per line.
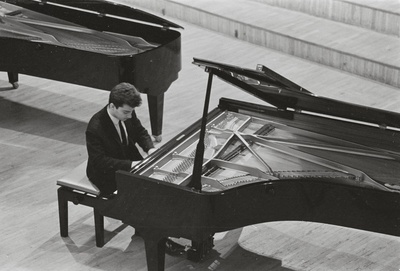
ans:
x=346 y=47
x=379 y=16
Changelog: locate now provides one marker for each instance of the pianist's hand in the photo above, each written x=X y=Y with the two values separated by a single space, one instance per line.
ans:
x=134 y=163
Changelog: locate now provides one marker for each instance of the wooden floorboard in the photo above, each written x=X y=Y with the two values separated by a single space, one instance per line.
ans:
x=386 y=5
x=380 y=16
x=42 y=128
x=346 y=47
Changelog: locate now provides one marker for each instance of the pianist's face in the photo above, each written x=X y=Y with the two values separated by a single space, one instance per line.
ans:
x=122 y=113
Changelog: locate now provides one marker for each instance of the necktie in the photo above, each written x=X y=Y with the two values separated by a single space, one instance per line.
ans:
x=123 y=135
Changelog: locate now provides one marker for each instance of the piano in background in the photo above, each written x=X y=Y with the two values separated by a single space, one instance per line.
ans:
x=92 y=43
x=303 y=158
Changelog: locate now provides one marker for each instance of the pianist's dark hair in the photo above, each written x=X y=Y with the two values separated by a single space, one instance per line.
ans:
x=125 y=93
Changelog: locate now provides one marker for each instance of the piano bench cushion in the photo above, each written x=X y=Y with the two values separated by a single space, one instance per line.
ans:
x=78 y=180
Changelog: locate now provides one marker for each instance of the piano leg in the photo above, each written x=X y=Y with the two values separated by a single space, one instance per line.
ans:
x=155 y=251
x=156 y=108
x=13 y=79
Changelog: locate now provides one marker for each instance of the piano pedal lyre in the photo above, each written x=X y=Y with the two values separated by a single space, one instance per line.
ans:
x=199 y=250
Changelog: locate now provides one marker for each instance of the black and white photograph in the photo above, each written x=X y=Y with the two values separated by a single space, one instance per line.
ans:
x=215 y=135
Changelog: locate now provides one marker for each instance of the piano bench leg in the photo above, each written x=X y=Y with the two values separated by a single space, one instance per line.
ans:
x=66 y=195
x=99 y=228
x=63 y=213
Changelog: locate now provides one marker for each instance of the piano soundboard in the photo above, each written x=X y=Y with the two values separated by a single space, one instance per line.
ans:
x=24 y=24
x=242 y=149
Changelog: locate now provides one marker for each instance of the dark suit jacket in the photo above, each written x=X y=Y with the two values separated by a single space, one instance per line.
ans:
x=106 y=152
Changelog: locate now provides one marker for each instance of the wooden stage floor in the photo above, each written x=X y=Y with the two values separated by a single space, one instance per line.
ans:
x=42 y=128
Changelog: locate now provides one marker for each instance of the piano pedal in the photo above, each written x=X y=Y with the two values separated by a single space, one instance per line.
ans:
x=199 y=250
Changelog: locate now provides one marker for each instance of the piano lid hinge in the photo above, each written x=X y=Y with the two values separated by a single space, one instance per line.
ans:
x=382 y=126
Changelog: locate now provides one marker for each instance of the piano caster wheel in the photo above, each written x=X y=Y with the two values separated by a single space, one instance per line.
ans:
x=157 y=138
x=15 y=85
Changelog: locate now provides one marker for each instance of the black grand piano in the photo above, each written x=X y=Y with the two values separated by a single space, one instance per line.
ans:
x=92 y=43
x=303 y=158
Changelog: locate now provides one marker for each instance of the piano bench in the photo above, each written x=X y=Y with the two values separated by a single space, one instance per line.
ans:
x=76 y=188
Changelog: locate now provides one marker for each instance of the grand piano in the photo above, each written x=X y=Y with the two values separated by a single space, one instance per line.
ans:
x=92 y=43
x=300 y=158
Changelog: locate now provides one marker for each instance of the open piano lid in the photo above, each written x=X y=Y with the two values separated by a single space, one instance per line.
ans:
x=102 y=7
x=276 y=90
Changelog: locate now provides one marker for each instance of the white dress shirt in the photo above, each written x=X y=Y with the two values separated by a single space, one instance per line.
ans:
x=115 y=122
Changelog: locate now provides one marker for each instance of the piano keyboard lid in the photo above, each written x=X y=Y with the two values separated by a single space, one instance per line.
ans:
x=102 y=7
x=278 y=91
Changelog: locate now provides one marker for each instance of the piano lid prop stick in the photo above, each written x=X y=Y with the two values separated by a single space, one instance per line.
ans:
x=198 y=159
